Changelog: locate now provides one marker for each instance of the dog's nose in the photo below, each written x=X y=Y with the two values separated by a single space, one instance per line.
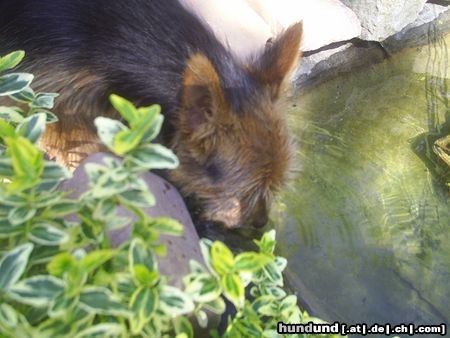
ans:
x=261 y=221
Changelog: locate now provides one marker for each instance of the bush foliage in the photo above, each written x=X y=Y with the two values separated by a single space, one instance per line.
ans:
x=62 y=278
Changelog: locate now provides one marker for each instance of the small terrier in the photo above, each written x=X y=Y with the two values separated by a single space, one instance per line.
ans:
x=223 y=116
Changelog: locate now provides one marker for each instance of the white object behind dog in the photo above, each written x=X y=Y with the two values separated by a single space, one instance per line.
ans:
x=246 y=25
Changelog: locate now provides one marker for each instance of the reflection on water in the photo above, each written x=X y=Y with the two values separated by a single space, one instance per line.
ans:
x=366 y=224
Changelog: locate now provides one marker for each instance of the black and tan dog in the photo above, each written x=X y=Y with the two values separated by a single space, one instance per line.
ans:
x=223 y=117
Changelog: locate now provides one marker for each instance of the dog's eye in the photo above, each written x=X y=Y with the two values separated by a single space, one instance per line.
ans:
x=214 y=171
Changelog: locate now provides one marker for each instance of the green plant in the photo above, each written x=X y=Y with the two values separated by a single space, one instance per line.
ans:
x=61 y=278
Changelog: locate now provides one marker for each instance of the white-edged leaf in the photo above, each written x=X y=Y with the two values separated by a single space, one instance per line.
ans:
x=143 y=305
x=11 y=60
x=61 y=305
x=251 y=261
x=48 y=235
x=104 y=209
x=267 y=242
x=127 y=140
x=151 y=113
x=124 y=284
x=13 y=200
x=38 y=291
x=266 y=306
x=196 y=267
x=205 y=248
x=13 y=263
x=125 y=108
x=222 y=258
x=154 y=129
x=167 y=226
x=14 y=83
x=25 y=96
x=204 y=288
x=281 y=263
x=8 y=316
x=95 y=259
x=140 y=255
x=217 y=306
x=273 y=274
x=233 y=289
x=107 y=130
x=144 y=277
x=287 y=305
x=33 y=127
x=202 y=318
x=274 y=291
x=44 y=100
x=139 y=198
x=183 y=326
x=20 y=215
x=63 y=208
x=154 y=156
x=101 y=300
x=105 y=330
x=6 y=230
x=49 y=116
x=174 y=302
x=54 y=172
x=11 y=114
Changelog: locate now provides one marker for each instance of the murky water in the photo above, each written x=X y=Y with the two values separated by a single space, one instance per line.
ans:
x=366 y=223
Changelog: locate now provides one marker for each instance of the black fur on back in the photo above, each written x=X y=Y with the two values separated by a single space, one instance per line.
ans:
x=139 y=47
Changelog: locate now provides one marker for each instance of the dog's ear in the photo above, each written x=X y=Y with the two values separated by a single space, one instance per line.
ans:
x=279 y=59
x=202 y=106
x=202 y=94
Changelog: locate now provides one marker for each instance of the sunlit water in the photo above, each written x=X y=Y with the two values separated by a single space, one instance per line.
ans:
x=366 y=223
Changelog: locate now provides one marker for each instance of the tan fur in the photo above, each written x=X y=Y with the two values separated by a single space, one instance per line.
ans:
x=73 y=137
x=201 y=82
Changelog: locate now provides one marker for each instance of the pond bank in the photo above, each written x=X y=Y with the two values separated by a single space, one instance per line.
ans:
x=341 y=57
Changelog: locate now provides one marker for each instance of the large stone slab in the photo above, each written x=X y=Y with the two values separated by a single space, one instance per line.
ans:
x=246 y=25
x=433 y=21
x=383 y=18
x=234 y=22
x=324 y=21
x=327 y=64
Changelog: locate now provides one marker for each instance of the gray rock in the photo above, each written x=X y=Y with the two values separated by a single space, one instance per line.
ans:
x=383 y=18
x=330 y=63
x=180 y=250
x=429 y=13
x=317 y=62
x=433 y=21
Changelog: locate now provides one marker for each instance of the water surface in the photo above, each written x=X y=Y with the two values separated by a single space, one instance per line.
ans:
x=365 y=224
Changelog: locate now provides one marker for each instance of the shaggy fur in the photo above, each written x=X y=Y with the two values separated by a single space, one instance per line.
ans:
x=223 y=118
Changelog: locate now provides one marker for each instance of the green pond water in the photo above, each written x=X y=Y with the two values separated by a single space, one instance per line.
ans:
x=365 y=224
